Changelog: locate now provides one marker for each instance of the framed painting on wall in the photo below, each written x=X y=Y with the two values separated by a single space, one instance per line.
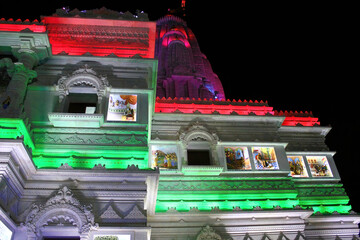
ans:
x=265 y=158
x=297 y=166
x=122 y=108
x=319 y=166
x=237 y=158
x=164 y=157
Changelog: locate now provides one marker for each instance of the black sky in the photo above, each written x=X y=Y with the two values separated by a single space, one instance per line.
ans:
x=296 y=56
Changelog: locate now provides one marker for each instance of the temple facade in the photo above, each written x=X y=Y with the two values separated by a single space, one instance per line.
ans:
x=114 y=127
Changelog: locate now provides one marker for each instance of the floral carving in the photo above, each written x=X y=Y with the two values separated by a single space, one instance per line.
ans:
x=61 y=209
x=84 y=76
x=224 y=185
x=197 y=132
x=96 y=139
x=208 y=233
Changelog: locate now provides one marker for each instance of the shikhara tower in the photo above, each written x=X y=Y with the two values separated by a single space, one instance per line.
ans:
x=115 y=127
x=183 y=69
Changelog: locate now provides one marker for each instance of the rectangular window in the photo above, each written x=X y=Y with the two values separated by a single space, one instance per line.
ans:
x=198 y=157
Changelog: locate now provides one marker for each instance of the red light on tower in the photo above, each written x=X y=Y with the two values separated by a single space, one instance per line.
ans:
x=183 y=2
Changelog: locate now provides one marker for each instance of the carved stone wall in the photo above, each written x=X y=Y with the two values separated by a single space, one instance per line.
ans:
x=69 y=35
x=63 y=209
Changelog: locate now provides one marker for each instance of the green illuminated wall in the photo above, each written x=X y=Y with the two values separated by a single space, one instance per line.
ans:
x=324 y=198
x=14 y=128
x=187 y=193
x=207 y=193
x=78 y=156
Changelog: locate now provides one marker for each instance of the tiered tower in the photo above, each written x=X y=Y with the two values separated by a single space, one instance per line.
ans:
x=184 y=70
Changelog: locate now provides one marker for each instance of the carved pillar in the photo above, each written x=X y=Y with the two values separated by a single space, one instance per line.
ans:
x=214 y=154
x=184 y=146
x=61 y=105
x=16 y=90
x=100 y=103
x=28 y=57
x=21 y=74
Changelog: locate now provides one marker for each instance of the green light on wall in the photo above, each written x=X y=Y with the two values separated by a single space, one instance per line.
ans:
x=227 y=195
x=185 y=206
x=111 y=157
x=87 y=163
x=342 y=209
x=15 y=128
x=325 y=200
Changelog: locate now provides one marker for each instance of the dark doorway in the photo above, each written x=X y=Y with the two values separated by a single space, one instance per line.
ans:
x=76 y=107
x=198 y=157
x=79 y=101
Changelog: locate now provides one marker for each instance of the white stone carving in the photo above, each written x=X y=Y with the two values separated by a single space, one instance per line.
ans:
x=84 y=76
x=208 y=233
x=110 y=213
x=99 y=166
x=198 y=132
x=61 y=209
x=172 y=210
x=65 y=166
x=135 y=213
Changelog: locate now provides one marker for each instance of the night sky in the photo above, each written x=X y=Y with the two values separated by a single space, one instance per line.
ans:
x=295 y=56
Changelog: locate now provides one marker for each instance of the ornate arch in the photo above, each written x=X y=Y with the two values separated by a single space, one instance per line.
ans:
x=85 y=77
x=61 y=209
x=198 y=132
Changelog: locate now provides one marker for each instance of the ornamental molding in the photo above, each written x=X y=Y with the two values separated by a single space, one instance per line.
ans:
x=208 y=233
x=83 y=77
x=63 y=209
x=102 y=13
x=92 y=139
x=112 y=214
x=225 y=185
x=198 y=132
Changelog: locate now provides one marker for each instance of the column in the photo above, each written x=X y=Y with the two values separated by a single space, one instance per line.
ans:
x=21 y=74
x=99 y=104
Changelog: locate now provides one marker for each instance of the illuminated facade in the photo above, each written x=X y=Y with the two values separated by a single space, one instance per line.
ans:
x=115 y=127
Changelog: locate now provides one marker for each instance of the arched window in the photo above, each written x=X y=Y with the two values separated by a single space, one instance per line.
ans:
x=62 y=215
x=82 y=91
x=199 y=146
